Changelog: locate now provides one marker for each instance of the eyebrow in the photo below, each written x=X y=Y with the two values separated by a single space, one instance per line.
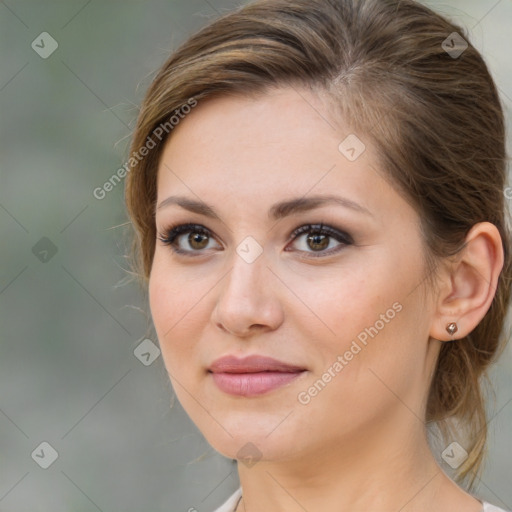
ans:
x=276 y=212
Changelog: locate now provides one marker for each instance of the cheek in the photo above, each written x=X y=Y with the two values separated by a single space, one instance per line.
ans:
x=372 y=365
x=366 y=310
x=346 y=300
x=174 y=305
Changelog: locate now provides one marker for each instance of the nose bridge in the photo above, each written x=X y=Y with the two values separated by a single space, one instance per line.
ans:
x=246 y=297
x=249 y=270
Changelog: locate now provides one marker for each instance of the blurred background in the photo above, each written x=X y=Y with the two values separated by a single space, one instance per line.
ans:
x=87 y=417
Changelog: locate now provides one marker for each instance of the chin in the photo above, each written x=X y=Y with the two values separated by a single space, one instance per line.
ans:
x=250 y=449
x=250 y=438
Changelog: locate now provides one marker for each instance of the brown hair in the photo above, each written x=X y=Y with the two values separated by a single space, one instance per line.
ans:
x=434 y=117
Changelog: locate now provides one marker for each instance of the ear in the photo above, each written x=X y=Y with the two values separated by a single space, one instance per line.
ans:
x=468 y=287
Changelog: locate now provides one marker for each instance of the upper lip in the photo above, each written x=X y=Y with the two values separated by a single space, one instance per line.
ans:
x=251 y=364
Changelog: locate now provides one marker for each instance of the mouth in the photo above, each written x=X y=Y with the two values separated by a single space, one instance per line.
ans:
x=253 y=375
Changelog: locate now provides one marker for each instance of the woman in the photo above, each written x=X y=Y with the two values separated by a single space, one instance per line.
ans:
x=318 y=200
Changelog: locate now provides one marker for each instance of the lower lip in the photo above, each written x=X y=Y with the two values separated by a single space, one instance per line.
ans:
x=252 y=384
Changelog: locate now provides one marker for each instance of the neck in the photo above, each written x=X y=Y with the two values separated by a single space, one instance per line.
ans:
x=362 y=473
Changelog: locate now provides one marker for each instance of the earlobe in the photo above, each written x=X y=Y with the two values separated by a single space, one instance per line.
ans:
x=470 y=285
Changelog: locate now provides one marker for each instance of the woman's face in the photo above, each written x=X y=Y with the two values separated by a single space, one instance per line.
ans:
x=343 y=309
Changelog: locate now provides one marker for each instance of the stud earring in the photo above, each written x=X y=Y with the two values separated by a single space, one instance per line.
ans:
x=451 y=328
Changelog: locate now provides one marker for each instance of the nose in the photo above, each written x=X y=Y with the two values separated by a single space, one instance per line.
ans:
x=248 y=302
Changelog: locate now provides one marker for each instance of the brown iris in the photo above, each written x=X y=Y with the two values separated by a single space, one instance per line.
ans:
x=198 y=240
x=320 y=241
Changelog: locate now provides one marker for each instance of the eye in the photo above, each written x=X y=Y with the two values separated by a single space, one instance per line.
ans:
x=319 y=239
x=197 y=239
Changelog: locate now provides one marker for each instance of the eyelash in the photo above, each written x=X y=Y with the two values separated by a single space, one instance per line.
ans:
x=172 y=233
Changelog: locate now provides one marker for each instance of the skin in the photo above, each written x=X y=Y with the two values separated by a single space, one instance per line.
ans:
x=364 y=432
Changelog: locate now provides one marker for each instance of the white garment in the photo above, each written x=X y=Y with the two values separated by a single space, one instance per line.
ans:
x=232 y=502
x=492 y=508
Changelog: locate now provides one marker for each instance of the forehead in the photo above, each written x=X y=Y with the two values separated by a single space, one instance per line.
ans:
x=279 y=144
x=279 y=120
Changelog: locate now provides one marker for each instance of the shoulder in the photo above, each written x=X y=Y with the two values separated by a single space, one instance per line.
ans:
x=232 y=501
x=492 y=508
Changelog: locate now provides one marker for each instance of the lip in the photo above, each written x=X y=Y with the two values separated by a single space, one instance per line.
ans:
x=251 y=364
x=253 y=375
